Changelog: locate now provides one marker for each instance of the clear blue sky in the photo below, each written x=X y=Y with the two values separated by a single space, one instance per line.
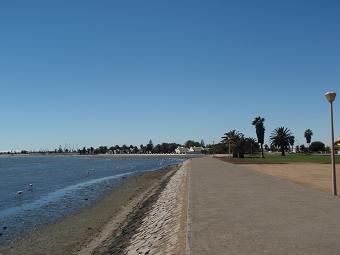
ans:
x=114 y=72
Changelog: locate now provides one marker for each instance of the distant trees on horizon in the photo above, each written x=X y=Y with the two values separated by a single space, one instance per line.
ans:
x=191 y=143
x=142 y=149
x=233 y=141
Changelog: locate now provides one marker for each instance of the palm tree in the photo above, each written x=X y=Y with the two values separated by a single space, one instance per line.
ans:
x=230 y=139
x=251 y=144
x=308 y=136
x=280 y=138
x=260 y=130
x=292 y=141
x=236 y=142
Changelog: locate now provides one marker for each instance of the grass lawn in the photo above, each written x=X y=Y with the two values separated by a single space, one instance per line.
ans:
x=278 y=159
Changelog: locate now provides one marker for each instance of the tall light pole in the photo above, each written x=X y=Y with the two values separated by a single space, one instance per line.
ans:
x=331 y=97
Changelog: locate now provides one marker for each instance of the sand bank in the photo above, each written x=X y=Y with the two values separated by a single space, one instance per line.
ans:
x=84 y=231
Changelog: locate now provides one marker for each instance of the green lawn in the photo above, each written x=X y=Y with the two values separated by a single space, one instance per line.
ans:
x=278 y=159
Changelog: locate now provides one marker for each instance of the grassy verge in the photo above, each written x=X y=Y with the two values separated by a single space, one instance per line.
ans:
x=278 y=159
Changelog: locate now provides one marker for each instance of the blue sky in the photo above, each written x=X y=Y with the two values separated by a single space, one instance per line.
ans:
x=114 y=72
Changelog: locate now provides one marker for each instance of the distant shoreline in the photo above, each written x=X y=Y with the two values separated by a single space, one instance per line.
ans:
x=104 y=155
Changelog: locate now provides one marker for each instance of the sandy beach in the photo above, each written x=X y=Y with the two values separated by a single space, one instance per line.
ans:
x=116 y=218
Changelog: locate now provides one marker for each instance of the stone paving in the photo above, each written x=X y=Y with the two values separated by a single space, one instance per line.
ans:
x=235 y=210
x=163 y=230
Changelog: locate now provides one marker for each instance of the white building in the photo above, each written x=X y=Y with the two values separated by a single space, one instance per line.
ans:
x=181 y=150
x=196 y=150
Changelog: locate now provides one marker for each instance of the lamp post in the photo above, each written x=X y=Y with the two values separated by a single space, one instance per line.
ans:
x=331 y=97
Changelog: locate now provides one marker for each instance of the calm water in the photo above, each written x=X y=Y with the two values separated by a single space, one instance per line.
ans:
x=59 y=185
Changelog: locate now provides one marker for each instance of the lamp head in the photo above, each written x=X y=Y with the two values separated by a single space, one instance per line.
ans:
x=330 y=96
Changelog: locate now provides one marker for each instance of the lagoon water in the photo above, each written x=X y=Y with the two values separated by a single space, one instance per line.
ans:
x=54 y=186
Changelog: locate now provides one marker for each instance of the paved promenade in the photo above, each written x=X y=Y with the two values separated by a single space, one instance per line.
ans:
x=233 y=210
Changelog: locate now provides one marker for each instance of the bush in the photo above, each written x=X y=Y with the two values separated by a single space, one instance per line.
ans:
x=317 y=146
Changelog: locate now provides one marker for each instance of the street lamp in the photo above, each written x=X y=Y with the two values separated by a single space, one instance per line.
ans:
x=331 y=97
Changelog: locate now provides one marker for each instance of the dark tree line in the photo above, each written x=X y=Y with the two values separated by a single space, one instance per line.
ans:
x=142 y=149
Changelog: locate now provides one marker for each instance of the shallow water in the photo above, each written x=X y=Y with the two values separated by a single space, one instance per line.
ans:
x=54 y=186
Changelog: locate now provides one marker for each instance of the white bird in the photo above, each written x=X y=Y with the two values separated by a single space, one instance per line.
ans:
x=19 y=192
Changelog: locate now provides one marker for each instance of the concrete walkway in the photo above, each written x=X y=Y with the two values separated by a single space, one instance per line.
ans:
x=233 y=210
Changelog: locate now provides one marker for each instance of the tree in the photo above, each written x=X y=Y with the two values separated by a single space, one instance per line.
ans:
x=191 y=143
x=135 y=150
x=124 y=148
x=297 y=148
x=251 y=145
x=101 y=149
x=292 y=141
x=308 y=136
x=258 y=122
x=280 y=138
x=272 y=148
x=142 y=148
x=266 y=147
x=219 y=148
x=83 y=151
x=302 y=148
x=149 y=146
x=229 y=139
x=165 y=148
x=237 y=142
x=317 y=146
x=202 y=143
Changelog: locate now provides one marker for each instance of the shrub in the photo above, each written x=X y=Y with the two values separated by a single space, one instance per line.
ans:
x=317 y=146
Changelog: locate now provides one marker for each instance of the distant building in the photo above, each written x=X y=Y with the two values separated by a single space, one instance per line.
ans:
x=196 y=150
x=181 y=150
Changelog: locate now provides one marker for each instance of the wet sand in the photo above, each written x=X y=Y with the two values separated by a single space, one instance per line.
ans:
x=86 y=230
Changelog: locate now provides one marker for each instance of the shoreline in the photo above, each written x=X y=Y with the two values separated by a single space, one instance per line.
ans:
x=72 y=233
x=130 y=155
x=158 y=226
